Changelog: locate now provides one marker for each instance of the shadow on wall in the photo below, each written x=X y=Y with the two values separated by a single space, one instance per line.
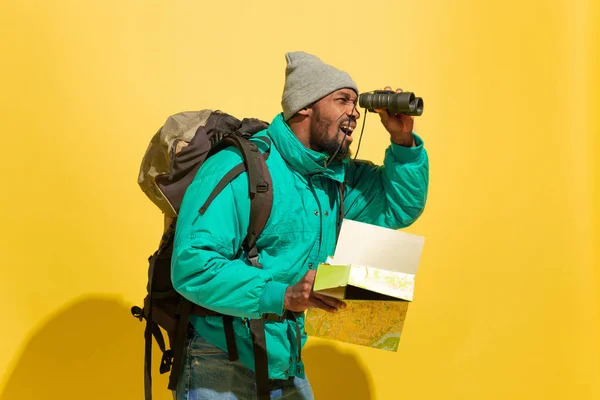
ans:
x=92 y=350
x=336 y=375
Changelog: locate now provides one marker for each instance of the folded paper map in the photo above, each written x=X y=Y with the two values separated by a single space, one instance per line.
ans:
x=369 y=323
x=373 y=271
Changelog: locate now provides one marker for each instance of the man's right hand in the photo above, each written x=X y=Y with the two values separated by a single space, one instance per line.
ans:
x=301 y=296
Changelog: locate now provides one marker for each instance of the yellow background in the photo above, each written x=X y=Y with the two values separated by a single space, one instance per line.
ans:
x=506 y=302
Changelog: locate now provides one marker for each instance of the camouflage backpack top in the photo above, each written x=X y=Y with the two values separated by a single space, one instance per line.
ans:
x=176 y=133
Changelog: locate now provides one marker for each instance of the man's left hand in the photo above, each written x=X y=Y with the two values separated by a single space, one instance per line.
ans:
x=399 y=126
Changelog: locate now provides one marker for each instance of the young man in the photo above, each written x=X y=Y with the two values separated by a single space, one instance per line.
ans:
x=309 y=159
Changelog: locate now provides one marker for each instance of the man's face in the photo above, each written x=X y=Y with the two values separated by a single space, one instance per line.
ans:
x=332 y=123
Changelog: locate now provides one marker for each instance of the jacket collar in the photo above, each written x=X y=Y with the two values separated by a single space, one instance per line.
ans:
x=304 y=160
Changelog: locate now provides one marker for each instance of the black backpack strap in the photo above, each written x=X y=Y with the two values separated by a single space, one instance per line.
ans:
x=261 y=206
x=148 y=334
x=160 y=340
x=259 y=186
x=227 y=325
x=179 y=345
x=261 y=362
x=152 y=328
x=148 y=361
x=232 y=351
x=231 y=175
x=260 y=210
x=261 y=202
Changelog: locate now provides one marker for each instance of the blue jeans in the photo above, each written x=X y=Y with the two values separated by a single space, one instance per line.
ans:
x=209 y=375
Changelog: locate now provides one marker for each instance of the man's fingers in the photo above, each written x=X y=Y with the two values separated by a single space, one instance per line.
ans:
x=330 y=301
x=398 y=90
x=383 y=114
x=316 y=302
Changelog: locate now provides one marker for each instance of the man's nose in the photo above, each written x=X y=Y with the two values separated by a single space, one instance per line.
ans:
x=353 y=112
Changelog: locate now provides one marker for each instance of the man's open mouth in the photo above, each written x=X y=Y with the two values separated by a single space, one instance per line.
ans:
x=347 y=128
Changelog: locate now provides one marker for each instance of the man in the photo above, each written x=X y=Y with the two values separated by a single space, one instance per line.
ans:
x=309 y=159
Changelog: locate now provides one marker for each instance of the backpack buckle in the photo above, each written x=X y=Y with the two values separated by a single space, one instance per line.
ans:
x=262 y=187
x=273 y=317
x=166 y=362
x=287 y=314
x=137 y=312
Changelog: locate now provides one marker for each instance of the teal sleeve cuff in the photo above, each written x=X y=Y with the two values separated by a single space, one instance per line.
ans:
x=403 y=154
x=271 y=300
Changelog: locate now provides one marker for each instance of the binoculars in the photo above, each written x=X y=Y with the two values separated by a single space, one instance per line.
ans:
x=401 y=103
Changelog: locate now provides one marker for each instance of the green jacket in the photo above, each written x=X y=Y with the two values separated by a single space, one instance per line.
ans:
x=300 y=234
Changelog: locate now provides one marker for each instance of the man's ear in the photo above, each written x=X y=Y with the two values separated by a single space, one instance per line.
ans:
x=305 y=111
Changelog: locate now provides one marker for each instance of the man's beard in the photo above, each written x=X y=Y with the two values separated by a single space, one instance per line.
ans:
x=325 y=143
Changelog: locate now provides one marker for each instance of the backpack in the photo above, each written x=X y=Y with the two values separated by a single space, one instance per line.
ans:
x=172 y=159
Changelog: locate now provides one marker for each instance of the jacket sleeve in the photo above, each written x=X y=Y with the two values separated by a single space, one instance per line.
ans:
x=203 y=267
x=392 y=195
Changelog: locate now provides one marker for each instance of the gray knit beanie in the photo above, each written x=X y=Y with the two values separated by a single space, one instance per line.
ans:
x=308 y=79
